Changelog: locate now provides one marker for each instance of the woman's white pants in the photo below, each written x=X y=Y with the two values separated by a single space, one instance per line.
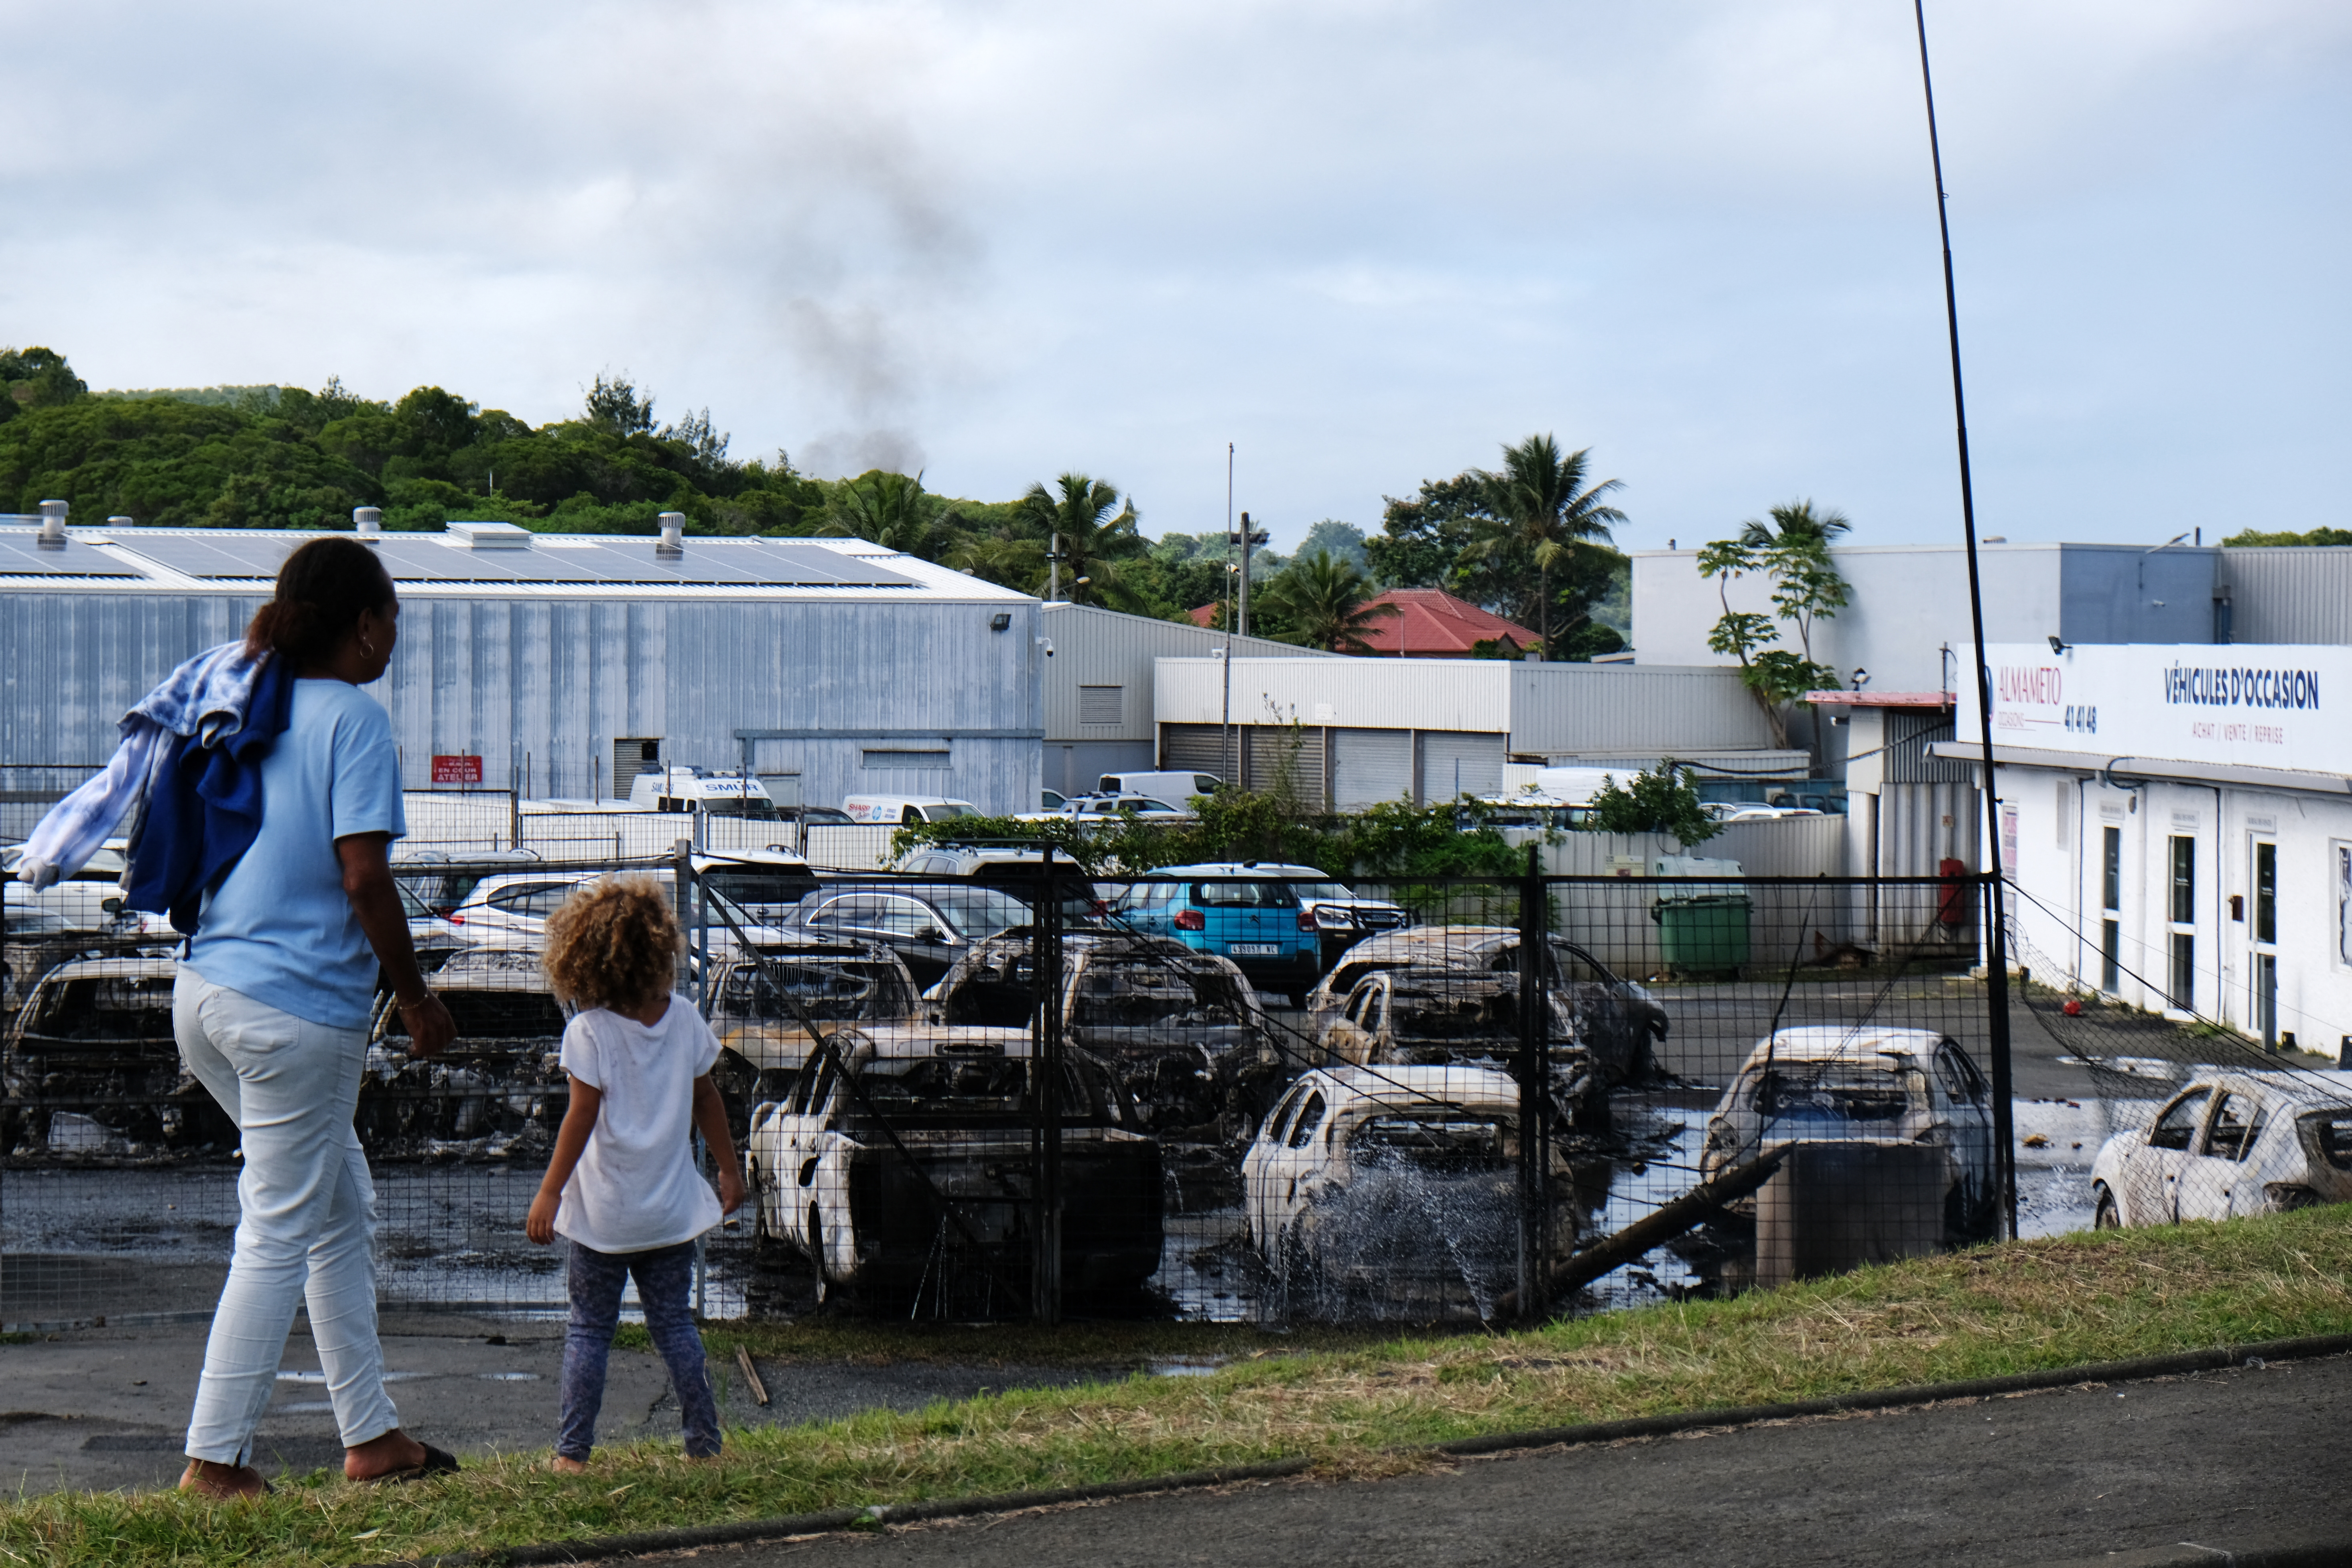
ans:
x=308 y=1216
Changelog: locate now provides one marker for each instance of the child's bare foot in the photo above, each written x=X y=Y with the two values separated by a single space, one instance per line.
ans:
x=220 y=1483
x=563 y=1467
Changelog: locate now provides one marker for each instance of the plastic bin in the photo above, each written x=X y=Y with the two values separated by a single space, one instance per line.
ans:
x=1704 y=933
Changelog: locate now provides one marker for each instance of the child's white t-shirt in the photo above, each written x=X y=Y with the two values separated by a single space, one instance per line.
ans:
x=636 y=1186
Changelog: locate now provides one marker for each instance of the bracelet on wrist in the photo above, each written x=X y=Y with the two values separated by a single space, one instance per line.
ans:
x=427 y=995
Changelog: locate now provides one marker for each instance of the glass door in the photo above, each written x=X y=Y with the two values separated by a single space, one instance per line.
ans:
x=2182 y=988
x=2263 y=970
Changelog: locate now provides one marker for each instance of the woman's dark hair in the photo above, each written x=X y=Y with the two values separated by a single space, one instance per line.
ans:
x=321 y=590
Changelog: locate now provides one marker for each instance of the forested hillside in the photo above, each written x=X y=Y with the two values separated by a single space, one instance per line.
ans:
x=276 y=456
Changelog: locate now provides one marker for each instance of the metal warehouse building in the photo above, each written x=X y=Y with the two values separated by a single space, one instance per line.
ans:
x=566 y=664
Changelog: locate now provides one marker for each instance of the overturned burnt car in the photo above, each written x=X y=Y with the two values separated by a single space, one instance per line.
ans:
x=901 y=1166
x=499 y=1091
x=90 y=1067
x=1615 y=1020
x=1183 y=1030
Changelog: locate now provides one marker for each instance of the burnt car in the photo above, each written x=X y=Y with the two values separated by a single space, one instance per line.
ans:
x=90 y=1066
x=1459 y=1018
x=930 y=925
x=2230 y=1144
x=1183 y=1030
x=760 y=1004
x=1616 y=1020
x=499 y=1091
x=902 y=1163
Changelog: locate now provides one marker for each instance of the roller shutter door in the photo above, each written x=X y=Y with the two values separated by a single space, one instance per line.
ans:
x=1194 y=749
x=1369 y=766
x=1273 y=748
x=1454 y=760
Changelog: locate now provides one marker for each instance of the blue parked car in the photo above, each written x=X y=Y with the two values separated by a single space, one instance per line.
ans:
x=1246 y=910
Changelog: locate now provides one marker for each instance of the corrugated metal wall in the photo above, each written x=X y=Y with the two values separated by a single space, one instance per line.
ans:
x=1910 y=734
x=2299 y=594
x=1383 y=693
x=1568 y=709
x=557 y=680
x=1095 y=647
x=1921 y=826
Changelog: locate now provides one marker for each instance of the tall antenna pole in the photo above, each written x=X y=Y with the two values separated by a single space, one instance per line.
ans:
x=1997 y=944
x=1227 y=760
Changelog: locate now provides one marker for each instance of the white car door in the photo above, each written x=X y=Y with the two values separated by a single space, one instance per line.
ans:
x=2151 y=1176
x=1258 y=1166
x=2212 y=1177
x=1293 y=1172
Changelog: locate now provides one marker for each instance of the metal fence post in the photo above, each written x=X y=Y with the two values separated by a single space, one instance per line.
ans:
x=2004 y=1110
x=1044 y=1098
x=1535 y=1095
x=681 y=897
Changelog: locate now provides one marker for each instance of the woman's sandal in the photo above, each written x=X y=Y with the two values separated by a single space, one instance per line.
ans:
x=437 y=1462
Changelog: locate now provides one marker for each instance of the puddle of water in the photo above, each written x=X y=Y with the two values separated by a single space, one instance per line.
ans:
x=507 y=1376
x=1186 y=1367
x=320 y=1377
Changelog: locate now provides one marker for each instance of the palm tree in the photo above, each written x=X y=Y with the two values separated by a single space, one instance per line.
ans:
x=1324 y=601
x=1540 y=507
x=1796 y=522
x=1093 y=531
x=999 y=557
x=891 y=510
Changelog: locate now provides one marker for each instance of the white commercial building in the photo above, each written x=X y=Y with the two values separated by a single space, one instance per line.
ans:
x=2178 y=824
x=1354 y=731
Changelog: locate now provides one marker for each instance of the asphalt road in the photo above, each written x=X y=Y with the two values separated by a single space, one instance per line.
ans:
x=2227 y=1459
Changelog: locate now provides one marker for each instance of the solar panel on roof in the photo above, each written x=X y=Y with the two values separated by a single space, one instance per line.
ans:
x=615 y=560
x=211 y=556
x=20 y=557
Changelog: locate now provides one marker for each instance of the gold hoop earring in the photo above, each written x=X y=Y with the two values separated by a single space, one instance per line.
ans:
x=367 y=648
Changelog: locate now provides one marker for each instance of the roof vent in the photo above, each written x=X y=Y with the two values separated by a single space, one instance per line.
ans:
x=121 y=522
x=491 y=535
x=53 y=525
x=367 y=519
x=673 y=535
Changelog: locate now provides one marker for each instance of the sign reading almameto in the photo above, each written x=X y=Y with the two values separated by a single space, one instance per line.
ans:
x=2262 y=706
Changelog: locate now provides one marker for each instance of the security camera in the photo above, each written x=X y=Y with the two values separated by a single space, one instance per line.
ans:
x=1047 y=644
x=2056 y=644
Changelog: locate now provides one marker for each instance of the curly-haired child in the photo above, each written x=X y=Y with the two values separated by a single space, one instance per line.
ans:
x=621 y=1185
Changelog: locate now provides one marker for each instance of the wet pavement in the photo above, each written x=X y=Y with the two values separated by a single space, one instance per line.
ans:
x=2230 y=1461
x=106 y=1409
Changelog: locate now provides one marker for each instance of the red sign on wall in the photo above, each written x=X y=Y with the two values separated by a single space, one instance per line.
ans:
x=459 y=770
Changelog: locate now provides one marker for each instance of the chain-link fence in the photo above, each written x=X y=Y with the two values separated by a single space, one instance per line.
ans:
x=2195 y=1119
x=1239 y=1092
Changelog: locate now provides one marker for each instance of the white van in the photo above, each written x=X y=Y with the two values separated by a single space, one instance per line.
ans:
x=1179 y=788
x=689 y=789
x=894 y=809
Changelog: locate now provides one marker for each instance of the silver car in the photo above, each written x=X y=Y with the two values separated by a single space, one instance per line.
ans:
x=2230 y=1143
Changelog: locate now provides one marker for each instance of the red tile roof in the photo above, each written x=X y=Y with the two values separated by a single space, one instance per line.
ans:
x=1432 y=624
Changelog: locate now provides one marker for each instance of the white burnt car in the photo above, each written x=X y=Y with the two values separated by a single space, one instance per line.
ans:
x=905 y=1149
x=1367 y=1176
x=2230 y=1143
x=1827 y=1084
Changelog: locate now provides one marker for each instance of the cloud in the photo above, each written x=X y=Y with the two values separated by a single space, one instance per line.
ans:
x=1368 y=241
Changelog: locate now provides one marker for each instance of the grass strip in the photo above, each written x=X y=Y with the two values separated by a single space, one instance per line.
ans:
x=1347 y=1407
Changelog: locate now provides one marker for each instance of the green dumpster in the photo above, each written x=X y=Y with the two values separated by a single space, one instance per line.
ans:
x=1703 y=934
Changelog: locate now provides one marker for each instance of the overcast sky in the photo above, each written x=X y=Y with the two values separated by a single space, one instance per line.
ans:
x=1367 y=241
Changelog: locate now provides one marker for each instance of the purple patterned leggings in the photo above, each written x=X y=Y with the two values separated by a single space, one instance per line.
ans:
x=665 y=1286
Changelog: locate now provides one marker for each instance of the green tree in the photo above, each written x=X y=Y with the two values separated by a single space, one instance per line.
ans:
x=37 y=378
x=1096 y=530
x=1795 y=523
x=1322 y=601
x=1341 y=541
x=1539 y=506
x=1420 y=541
x=613 y=406
x=1659 y=801
x=1805 y=588
x=892 y=509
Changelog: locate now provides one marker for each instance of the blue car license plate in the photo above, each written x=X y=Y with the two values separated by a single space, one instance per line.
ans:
x=1254 y=949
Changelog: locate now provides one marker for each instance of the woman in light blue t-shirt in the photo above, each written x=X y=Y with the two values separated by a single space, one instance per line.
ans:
x=271 y=1013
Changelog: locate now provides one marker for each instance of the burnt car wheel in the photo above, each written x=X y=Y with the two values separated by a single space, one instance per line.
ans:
x=2107 y=1217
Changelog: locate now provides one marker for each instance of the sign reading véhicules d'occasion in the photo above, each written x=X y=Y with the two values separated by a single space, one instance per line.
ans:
x=2274 y=706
